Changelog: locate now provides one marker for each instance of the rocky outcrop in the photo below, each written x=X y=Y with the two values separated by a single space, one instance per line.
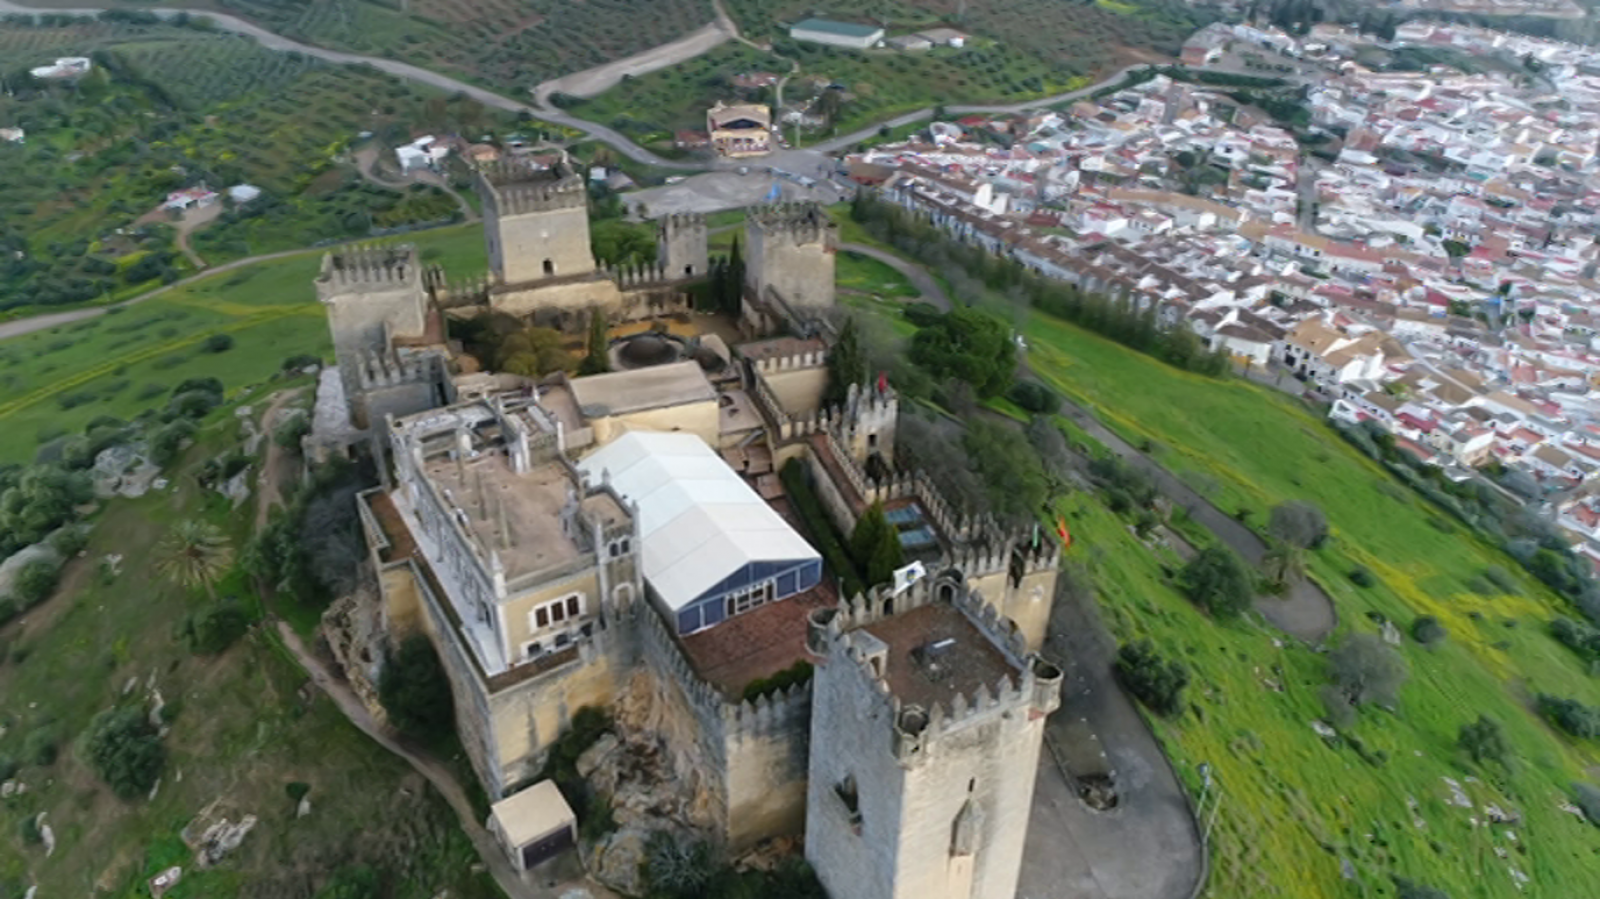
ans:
x=353 y=629
x=124 y=471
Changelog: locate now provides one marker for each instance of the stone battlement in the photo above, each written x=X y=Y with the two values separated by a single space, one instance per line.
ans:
x=1032 y=685
x=368 y=268
x=795 y=362
x=796 y=223
x=739 y=718
x=647 y=274
x=391 y=369
x=681 y=221
x=515 y=187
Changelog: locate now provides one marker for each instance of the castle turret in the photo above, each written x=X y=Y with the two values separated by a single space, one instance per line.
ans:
x=373 y=295
x=790 y=256
x=926 y=729
x=681 y=245
x=536 y=221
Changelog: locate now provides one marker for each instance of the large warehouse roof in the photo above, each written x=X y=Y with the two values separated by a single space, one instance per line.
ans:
x=700 y=522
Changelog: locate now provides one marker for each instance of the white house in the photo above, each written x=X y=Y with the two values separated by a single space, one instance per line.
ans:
x=66 y=67
x=243 y=193
x=12 y=135
x=424 y=152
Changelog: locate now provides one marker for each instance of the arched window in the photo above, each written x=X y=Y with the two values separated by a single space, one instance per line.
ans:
x=549 y=266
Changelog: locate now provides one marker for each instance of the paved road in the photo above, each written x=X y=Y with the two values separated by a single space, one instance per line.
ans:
x=403 y=70
x=602 y=78
x=833 y=145
x=932 y=290
x=1306 y=612
x=1148 y=847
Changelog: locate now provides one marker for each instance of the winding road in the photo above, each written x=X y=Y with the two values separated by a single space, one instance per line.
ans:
x=932 y=291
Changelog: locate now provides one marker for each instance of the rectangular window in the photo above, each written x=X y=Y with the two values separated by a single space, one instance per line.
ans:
x=557 y=611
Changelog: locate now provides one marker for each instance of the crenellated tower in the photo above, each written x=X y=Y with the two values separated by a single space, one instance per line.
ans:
x=932 y=717
x=536 y=221
x=681 y=240
x=375 y=296
x=790 y=259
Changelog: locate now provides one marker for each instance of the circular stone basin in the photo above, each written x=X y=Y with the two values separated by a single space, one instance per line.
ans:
x=649 y=349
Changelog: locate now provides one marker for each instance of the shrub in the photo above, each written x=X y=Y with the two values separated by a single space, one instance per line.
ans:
x=289 y=434
x=1154 y=681
x=35 y=582
x=296 y=790
x=69 y=541
x=124 y=750
x=39 y=747
x=1427 y=630
x=798 y=673
x=1215 y=580
x=1362 y=576
x=1577 y=636
x=1365 y=669
x=167 y=441
x=213 y=628
x=414 y=690
x=1505 y=580
x=193 y=405
x=28 y=830
x=218 y=343
x=9 y=767
x=1570 y=715
x=302 y=360
x=1034 y=397
x=1485 y=741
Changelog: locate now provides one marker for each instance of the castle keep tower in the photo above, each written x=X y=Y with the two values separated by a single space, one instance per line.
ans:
x=926 y=727
x=536 y=221
x=374 y=296
x=681 y=245
x=790 y=257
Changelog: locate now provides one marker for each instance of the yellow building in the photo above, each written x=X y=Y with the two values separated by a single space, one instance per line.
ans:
x=738 y=131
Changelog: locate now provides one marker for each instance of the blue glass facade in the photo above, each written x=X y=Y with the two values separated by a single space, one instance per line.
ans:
x=787 y=578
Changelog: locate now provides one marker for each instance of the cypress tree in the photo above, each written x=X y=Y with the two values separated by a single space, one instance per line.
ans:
x=846 y=365
x=597 y=360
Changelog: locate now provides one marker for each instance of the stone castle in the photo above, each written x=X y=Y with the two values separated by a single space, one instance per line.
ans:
x=624 y=541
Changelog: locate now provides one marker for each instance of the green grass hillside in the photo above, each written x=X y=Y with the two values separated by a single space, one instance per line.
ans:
x=244 y=726
x=1301 y=816
x=53 y=382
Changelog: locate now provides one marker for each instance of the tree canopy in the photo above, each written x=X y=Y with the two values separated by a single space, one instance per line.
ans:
x=1215 y=580
x=847 y=364
x=970 y=346
x=1298 y=524
x=1012 y=475
x=1365 y=669
x=123 y=747
x=875 y=545
x=414 y=690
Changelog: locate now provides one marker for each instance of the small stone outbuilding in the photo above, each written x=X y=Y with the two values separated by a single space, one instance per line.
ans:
x=534 y=825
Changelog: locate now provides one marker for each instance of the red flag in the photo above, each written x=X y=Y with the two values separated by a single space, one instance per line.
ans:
x=1062 y=532
x=883 y=382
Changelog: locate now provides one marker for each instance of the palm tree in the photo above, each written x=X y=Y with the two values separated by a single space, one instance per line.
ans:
x=195 y=554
